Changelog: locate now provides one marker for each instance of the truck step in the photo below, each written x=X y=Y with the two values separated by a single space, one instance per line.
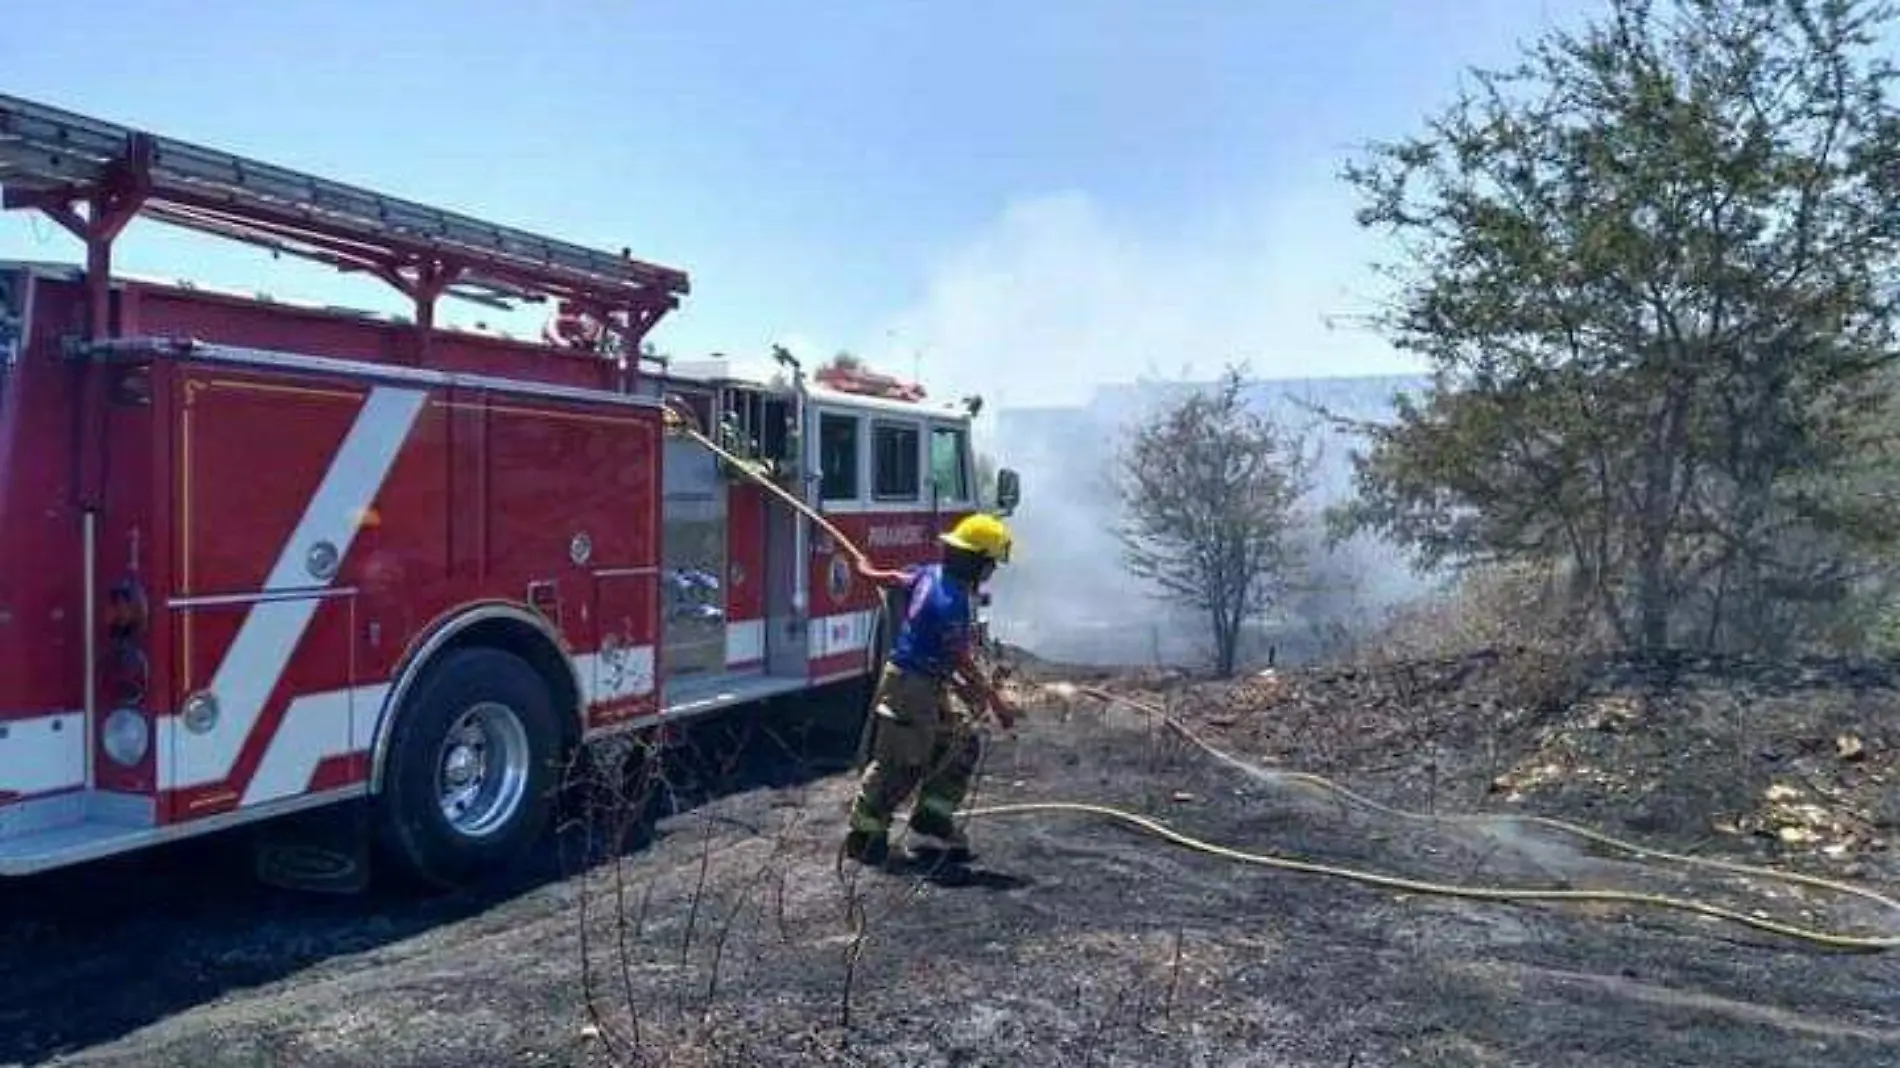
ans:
x=72 y=843
x=693 y=697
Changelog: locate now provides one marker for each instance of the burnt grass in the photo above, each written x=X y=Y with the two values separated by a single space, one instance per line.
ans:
x=728 y=933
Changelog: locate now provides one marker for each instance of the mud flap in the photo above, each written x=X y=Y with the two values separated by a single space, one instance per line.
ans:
x=326 y=851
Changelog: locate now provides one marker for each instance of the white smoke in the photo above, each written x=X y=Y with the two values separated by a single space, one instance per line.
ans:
x=1058 y=295
x=1058 y=298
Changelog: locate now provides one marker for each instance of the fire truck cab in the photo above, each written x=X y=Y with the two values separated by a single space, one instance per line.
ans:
x=258 y=558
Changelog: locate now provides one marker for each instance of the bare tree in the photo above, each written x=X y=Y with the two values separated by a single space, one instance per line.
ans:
x=1208 y=488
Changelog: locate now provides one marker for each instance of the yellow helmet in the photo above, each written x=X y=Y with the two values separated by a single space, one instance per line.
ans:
x=980 y=533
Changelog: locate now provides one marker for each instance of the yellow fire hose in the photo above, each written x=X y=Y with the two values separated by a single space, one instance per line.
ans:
x=1830 y=939
x=1810 y=935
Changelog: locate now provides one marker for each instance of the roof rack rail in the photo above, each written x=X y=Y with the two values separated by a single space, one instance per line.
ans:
x=56 y=161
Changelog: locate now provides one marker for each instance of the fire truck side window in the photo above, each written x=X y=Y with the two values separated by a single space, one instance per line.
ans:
x=701 y=407
x=896 y=452
x=948 y=472
x=774 y=430
x=838 y=457
x=743 y=415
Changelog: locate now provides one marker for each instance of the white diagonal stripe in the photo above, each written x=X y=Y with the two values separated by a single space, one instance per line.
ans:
x=272 y=630
x=316 y=727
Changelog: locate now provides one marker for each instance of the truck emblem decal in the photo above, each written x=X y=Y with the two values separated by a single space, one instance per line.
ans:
x=838 y=578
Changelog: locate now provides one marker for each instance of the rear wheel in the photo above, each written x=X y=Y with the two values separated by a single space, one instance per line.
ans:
x=472 y=768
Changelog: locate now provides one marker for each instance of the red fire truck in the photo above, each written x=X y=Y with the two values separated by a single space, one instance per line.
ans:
x=259 y=558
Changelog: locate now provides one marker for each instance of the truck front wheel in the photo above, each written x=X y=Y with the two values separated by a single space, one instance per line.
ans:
x=471 y=772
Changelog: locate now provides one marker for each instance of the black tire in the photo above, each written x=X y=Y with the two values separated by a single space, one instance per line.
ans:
x=417 y=835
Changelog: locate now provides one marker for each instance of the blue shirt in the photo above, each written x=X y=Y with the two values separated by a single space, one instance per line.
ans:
x=939 y=624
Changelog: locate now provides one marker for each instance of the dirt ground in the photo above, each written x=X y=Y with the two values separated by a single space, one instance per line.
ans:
x=1791 y=763
x=732 y=938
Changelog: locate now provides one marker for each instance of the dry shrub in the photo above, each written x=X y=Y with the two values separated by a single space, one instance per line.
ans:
x=1524 y=618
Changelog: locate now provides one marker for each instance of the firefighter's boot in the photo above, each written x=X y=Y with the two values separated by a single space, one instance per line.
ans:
x=949 y=844
x=867 y=847
x=866 y=841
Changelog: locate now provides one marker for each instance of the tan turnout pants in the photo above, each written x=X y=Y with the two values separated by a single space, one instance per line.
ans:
x=921 y=742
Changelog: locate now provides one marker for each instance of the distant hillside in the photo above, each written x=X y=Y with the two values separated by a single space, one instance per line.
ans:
x=1067 y=596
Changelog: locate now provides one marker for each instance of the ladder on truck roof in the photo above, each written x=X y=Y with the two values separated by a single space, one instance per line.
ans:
x=55 y=161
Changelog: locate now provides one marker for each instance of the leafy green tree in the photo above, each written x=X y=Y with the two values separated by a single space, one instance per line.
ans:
x=1653 y=269
x=1208 y=489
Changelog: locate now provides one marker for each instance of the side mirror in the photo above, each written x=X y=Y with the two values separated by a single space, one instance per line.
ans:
x=1009 y=490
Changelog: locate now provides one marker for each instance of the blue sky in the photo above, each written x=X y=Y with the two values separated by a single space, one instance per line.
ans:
x=1024 y=199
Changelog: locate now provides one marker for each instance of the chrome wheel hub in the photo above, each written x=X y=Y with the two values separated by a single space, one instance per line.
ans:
x=482 y=770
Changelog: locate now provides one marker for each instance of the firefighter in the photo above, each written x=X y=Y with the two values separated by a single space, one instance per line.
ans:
x=919 y=743
x=573 y=327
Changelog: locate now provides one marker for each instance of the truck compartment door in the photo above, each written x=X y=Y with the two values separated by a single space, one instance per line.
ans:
x=266 y=706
